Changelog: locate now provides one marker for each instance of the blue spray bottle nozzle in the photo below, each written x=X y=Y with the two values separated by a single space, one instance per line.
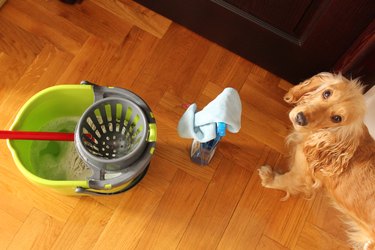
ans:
x=221 y=128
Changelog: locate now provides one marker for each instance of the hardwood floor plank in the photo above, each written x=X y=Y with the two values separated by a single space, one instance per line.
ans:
x=259 y=89
x=38 y=232
x=138 y=15
x=28 y=194
x=170 y=109
x=124 y=65
x=159 y=175
x=41 y=73
x=216 y=208
x=173 y=214
x=177 y=151
x=45 y=24
x=238 y=76
x=256 y=121
x=84 y=225
x=162 y=71
x=19 y=44
x=309 y=236
x=261 y=133
x=324 y=216
x=90 y=62
x=252 y=213
x=280 y=126
x=10 y=204
x=188 y=74
x=229 y=69
x=287 y=220
x=11 y=71
x=129 y=220
x=241 y=149
x=9 y=226
x=200 y=81
x=266 y=243
x=90 y=17
x=223 y=67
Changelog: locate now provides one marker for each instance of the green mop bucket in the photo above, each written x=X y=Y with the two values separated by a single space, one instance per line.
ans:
x=57 y=109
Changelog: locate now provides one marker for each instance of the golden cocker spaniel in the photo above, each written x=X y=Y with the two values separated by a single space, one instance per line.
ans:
x=331 y=148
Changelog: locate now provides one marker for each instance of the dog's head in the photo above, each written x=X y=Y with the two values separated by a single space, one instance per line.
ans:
x=326 y=101
x=330 y=108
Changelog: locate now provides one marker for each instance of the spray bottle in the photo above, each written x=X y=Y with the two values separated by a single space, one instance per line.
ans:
x=202 y=152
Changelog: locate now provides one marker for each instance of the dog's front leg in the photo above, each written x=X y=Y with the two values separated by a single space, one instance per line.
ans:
x=297 y=180
x=286 y=182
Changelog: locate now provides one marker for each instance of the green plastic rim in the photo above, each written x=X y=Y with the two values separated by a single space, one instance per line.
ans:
x=51 y=103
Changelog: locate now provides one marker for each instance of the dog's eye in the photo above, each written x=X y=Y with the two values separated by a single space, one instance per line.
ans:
x=327 y=93
x=336 y=119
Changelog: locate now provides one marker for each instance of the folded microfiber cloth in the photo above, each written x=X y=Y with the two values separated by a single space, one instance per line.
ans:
x=201 y=125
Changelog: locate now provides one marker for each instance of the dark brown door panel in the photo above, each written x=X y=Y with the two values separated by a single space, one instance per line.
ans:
x=293 y=39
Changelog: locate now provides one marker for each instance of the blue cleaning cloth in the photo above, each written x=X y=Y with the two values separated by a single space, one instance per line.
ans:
x=201 y=126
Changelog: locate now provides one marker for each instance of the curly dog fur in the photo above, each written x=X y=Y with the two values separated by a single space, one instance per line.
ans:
x=331 y=148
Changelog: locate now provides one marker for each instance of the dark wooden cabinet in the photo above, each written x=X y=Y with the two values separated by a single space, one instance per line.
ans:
x=283 y=15
x=291 y=38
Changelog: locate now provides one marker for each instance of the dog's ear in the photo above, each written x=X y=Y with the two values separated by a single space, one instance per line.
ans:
x=301 y=91
x=296 y=93
x=329 y=152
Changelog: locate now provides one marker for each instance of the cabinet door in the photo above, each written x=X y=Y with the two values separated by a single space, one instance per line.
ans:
x=292 y=38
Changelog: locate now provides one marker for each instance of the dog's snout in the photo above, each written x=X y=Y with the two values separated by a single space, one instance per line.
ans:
x=301 y=119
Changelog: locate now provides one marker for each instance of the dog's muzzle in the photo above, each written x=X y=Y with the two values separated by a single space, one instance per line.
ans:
x=301 y=119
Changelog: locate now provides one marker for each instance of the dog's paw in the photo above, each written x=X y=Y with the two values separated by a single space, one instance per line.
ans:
x=266 y=175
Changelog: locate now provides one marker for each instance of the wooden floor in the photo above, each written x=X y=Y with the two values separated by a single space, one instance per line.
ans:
x=178 y=205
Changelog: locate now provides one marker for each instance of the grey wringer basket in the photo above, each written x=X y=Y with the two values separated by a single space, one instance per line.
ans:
x=116 y=138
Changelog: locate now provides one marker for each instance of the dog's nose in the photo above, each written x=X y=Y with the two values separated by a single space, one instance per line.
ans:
x=301 y=119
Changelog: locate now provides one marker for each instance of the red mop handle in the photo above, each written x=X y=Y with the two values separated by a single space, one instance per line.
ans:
x=28 y=135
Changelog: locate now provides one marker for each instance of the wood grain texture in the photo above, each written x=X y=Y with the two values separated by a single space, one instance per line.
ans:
x=178 y=204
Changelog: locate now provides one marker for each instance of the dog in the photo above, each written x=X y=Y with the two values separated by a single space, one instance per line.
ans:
x=331 y=148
